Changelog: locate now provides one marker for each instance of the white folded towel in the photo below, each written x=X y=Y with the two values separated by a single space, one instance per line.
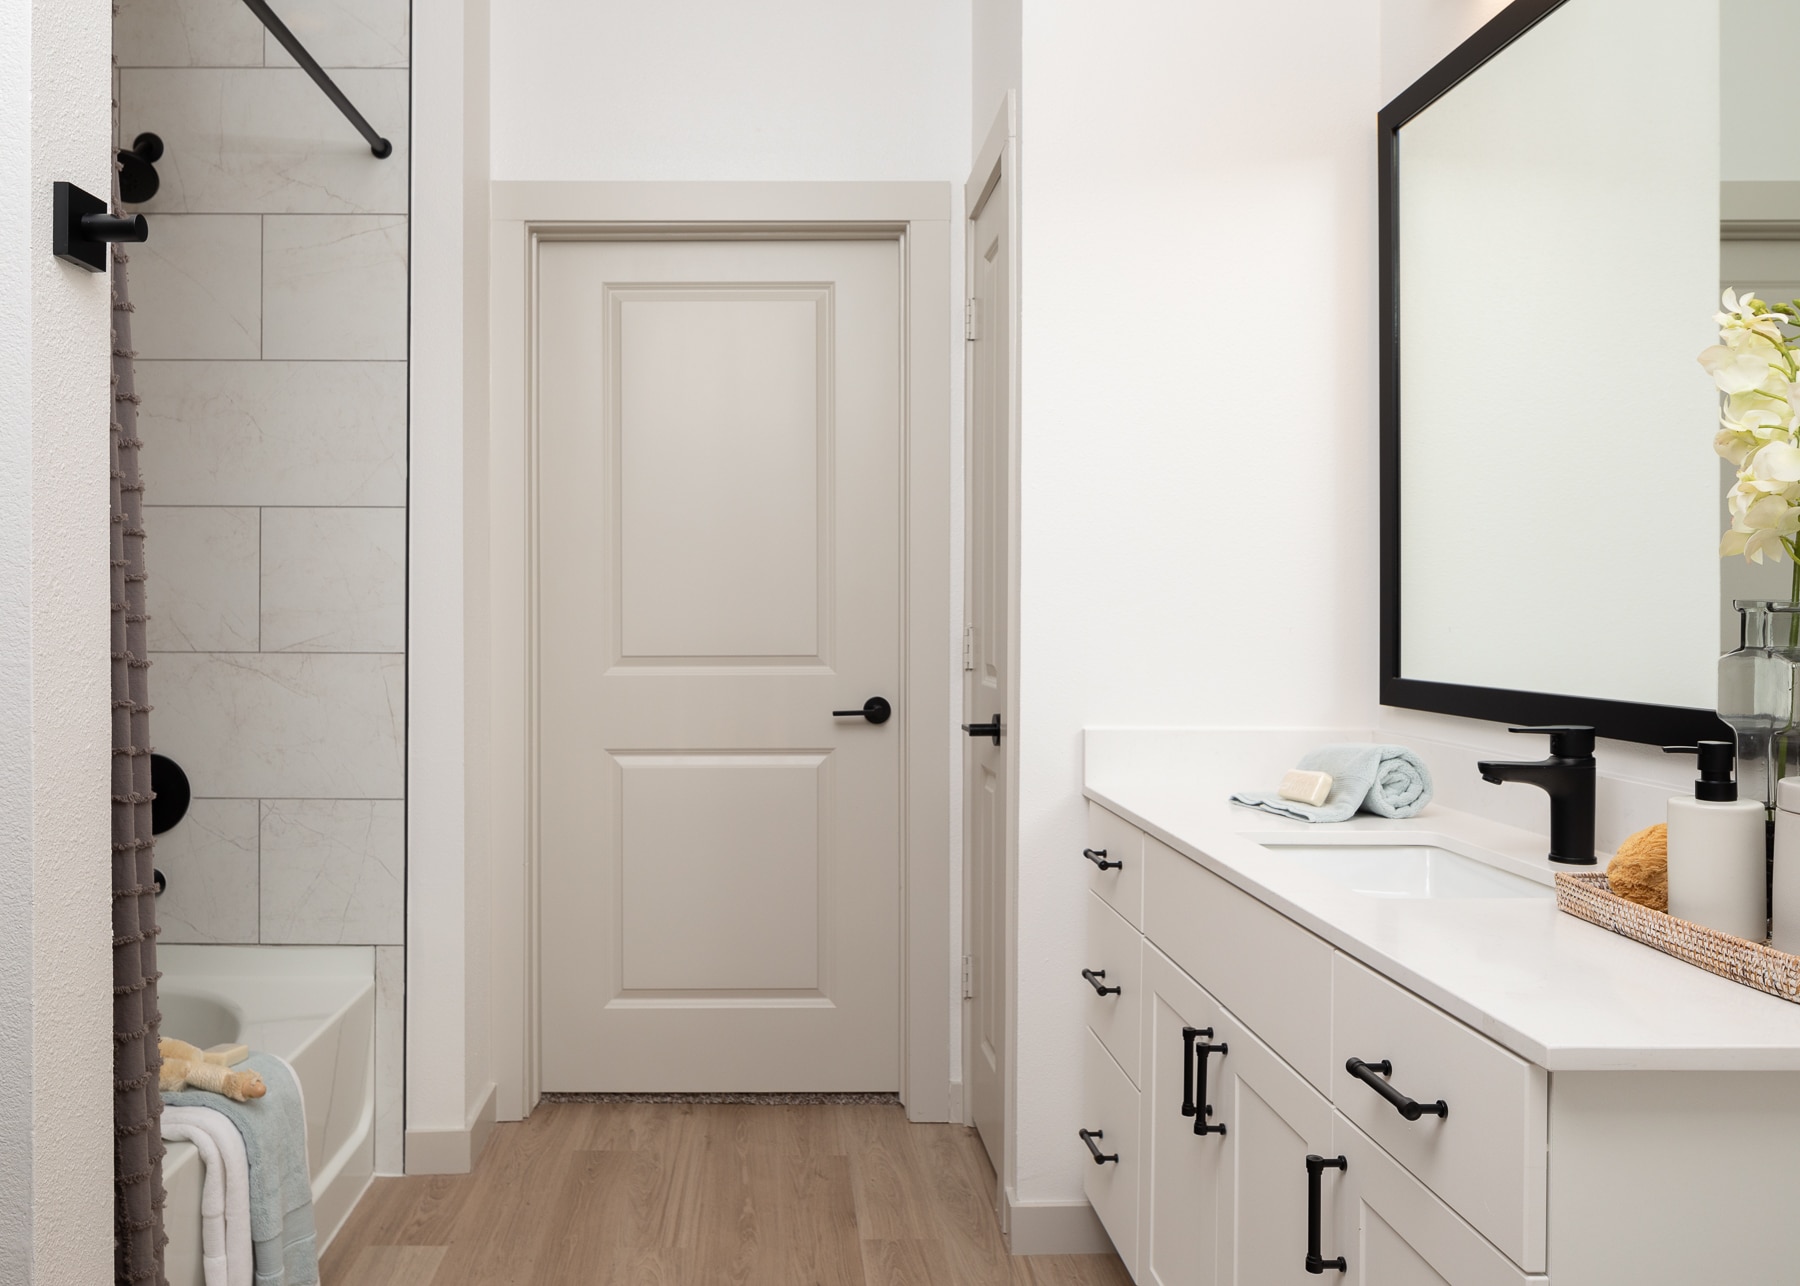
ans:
x=225 y=1244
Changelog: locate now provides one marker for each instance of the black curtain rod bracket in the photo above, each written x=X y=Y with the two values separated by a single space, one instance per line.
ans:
x=310 y=65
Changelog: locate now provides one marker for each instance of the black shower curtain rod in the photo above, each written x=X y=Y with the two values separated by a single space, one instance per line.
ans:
x=377 y=144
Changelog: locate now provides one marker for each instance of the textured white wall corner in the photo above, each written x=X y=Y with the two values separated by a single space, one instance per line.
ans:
x=1196 y=179
x=55 y=718
x=447 y=1066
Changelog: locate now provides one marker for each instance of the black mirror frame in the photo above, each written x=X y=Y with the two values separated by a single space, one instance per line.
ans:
x=1619 y=720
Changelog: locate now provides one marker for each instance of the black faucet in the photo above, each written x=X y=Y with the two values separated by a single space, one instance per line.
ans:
x=1567 y=776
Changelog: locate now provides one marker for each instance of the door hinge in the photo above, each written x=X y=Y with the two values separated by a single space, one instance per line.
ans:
x=968 y=647
x=970 y=329
x=968 y=980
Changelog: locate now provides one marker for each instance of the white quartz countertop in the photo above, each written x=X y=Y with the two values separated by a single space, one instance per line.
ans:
x=1562 y=993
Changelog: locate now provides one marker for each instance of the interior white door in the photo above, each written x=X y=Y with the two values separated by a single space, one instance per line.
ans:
x=718 y=473
x=987 y=666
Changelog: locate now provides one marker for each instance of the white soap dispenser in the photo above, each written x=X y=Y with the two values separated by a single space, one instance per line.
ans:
x=1718 y=850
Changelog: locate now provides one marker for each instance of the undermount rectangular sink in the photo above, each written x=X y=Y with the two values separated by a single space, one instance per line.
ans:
x=1388 y=870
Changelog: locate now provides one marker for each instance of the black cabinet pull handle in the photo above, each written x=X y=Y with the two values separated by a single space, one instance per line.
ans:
x=1098 y=857
x=1188 y=1107
x=1373 y=1074
x=1100 y=1158
x=875 y=710
x=1316 y=1263
x=1201 y=1108
x=989 y=729
x=1094 y=976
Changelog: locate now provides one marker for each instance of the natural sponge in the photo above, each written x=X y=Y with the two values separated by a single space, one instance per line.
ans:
x=1640 y=869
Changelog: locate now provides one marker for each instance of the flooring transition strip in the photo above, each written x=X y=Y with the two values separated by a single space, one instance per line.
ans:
x=763 y=1100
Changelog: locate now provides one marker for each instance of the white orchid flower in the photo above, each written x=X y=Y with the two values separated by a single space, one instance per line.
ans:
x=1758 y=523
x=1748 y=316
x=1779 y=462
x=1745 y=429
x=1740 y=371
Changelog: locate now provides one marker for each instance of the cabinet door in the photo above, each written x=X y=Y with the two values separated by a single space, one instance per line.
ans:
x=1394 y=1231
x=1184 y=1171
x=1273 y=1119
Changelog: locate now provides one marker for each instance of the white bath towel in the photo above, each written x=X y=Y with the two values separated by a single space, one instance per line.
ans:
x=225 y=1244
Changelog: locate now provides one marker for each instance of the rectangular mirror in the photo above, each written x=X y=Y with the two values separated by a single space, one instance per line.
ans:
x=1550 y=264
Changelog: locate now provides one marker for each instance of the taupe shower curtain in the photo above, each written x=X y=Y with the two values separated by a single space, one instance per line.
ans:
x=137 y=1103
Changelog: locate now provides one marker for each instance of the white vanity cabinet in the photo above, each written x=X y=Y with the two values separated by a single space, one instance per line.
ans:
x=1609 y=1115
x=1227 y=1203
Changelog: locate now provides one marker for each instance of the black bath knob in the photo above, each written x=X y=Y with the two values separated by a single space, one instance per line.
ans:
x=170 y=785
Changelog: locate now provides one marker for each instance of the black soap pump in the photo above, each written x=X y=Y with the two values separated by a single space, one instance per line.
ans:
x=1718 y=849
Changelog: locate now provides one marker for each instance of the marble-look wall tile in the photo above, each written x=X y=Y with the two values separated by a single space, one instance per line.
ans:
x=266 y=141
x=346 y=33
x=197 y=287
x=334 y=286
x=283 y=725
x=210 y=863
x=390 y=1060
x=332 y=870
x=334 y=580
x=202 y=589
x=273 y=433
x=186 y=33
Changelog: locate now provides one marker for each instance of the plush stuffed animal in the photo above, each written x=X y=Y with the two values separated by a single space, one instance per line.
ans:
x=184 y=1067
x=1639 y=871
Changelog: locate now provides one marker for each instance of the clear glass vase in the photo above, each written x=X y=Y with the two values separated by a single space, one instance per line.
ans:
x=1757 y=695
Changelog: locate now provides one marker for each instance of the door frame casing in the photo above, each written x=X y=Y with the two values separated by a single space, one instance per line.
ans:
x=996 y=164
x=917 y=216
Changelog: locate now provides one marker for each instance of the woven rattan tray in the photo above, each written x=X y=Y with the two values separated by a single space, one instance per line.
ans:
x=1753 y=964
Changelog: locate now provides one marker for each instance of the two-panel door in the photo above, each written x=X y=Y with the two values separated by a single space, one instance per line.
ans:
x=718 y=447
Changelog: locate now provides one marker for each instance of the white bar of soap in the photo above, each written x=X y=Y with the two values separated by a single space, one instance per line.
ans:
x=227 y=1055
x=1305 y=787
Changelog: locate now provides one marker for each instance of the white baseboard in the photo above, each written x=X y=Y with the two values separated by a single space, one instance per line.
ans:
x=452 y=1151
x=1054 y=1228
x=956 y=1104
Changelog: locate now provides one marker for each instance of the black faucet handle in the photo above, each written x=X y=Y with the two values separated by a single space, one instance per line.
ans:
x=1567 y=740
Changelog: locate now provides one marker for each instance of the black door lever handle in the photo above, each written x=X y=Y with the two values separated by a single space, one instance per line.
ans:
x=875 y=710
x=990 y=729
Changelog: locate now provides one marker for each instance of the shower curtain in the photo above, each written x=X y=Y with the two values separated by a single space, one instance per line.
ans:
x=137 y=1102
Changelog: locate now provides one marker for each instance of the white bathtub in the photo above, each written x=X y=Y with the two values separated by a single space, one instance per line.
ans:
x=315 y=1007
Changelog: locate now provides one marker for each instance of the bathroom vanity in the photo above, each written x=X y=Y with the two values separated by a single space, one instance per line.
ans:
x=1608 y=1114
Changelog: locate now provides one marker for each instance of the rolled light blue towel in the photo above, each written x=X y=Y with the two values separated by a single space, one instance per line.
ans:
x=1389 y=781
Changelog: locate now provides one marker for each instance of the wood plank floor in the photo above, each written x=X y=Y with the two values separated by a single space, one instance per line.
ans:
x=665 y=1194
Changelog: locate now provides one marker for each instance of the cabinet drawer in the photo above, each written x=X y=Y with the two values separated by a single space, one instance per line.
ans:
x=1112 y=1186
x=1394 y=1232
x=1113 y=839
x=1486 y=1158
x=1263 y=967
x=1115 y=949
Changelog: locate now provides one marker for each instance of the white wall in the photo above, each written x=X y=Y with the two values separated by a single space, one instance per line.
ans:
x=449 y=1065
x=994 y=63
x=710 y=89
x=1760 y=39
x=1198 y=459
x=55 y=718
x=1415 y=34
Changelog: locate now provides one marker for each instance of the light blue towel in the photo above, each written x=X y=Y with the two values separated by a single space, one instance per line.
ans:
x=285 y=1247
x=1387 y=780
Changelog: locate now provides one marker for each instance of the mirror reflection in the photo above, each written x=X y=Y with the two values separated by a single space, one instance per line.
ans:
x=1567 y=216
